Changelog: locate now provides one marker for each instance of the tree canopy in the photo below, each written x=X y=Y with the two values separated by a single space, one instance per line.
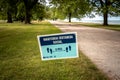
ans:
x=106 y=7
x=8 y=9
x=22 y=10
x=25 y=10
x=71 y=8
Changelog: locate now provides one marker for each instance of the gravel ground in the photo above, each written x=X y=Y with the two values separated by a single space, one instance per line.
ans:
x=102 y=46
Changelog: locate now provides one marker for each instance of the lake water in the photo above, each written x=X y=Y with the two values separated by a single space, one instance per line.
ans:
x=101 y=21
x=96 y=20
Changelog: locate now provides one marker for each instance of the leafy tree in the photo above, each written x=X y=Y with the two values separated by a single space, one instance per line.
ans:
x=29 y=4
x=8 y=8
x=72 y=8
x=20 y=11
x=106 y=7
x=2 y=11
x=39 y=11
x=54 y=13
x=49 y=12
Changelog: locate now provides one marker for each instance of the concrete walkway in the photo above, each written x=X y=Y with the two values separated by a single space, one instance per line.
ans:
x=102 y=46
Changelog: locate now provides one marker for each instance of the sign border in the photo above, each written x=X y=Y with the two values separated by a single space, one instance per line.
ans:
x=40 y=49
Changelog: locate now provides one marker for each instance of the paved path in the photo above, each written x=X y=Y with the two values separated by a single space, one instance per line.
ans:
x=100 y=45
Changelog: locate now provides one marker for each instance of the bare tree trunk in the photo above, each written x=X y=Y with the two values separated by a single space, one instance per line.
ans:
x=29 y=4
x=69 y=16
x=27 y=16
x=9 y=17
x=105 y=18
x=105 y=14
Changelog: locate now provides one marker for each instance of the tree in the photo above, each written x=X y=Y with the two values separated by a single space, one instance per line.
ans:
x=20 y=16
x=2 y=11
x=54 y=13
x=72 y=8
x=39 y=12
x=106 y=7
x=29 y=4
x=8 y=8
x=20 y=9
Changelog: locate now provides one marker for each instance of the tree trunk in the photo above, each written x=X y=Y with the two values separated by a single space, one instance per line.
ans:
x=105 y=14
x=27 y=16
x=29 y=4
x=105 y=18
x=9 y=17
x=69 y=16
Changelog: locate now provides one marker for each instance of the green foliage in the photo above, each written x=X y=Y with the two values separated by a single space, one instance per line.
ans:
x=39 y=12
x=2 y=10
x=105 y=7
x=7 y=6
x=55 y=13
x=20 y=11
x=75 y=7
x=112 y=6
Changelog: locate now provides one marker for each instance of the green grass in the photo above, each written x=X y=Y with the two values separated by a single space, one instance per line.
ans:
x=111 y=27
x=20 y=56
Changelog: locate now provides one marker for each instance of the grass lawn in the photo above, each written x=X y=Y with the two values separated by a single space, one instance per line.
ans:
x=111 y=27
x=20 y=56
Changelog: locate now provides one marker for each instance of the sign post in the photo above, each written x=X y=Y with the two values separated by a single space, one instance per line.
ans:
x=58 y=46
